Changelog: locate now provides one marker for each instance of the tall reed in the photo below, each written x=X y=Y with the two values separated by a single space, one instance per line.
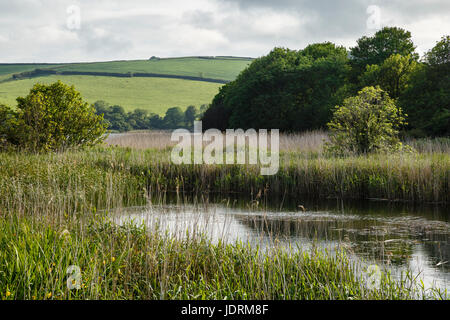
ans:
x=54 y=214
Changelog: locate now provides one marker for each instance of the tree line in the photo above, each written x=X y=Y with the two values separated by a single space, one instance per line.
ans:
x=118 y=120
x=298 y=90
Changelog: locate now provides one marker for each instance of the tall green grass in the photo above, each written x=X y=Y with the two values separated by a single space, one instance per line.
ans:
x=128 y=262
x=421 y=176
x=81 y=177
x=53 y=214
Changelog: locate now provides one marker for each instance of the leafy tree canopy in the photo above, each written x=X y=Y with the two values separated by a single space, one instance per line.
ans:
x=366 y=123
x=440 y=54
x=174 y=118
x=392 y=75
x=427 y=99
x=383 y=44
x=52 y=117
x=287 y=89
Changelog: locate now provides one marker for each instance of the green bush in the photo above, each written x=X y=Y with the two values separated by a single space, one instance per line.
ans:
x=366 y=123
x=50 y=118
x=7 y=124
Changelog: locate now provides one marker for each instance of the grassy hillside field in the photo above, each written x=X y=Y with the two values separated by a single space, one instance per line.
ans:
x=153 y=94
x=8 y=69
x=219 y=68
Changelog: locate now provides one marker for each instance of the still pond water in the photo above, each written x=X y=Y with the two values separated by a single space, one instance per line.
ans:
x=393 y=236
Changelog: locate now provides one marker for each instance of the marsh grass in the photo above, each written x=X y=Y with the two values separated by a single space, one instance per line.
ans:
x=307 y=142
x=128 y=262
x=421 y=176
x=434 y=145
x=304 y=142
x=54 y=213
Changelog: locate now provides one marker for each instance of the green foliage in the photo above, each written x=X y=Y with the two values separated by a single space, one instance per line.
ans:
x=174 y=117
x=190 y=115
x=139 y=119
x=297 y=90
x=366 y=123
x=52 y=118
x=8 y=123
x=287 y=89
x=115 y=116
x=393 y=75
x=440 y=54
x=427 y=99
x=323 y=50
x=66 y=191
x=383 y=44
x=218 y=114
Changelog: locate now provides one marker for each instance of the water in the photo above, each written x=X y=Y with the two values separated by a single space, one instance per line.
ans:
x=393 y=236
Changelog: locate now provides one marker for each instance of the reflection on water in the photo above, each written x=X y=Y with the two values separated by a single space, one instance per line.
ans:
x=396 y=237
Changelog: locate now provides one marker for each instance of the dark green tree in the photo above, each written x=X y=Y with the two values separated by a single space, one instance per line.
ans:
x=190 y=115
x=393 y=75
x=55 y=117
x=138 y=119
x=427 y=100
x=101 y=107
x=174 y=118
x=440 y=54
x=156 y=122
x=377 y=48
x=118 y=119
x=8 y=125
x=323 y=50
x=287 y=89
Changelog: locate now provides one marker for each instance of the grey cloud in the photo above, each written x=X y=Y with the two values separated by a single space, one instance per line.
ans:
x=199 y=18
x=412 y=8
x=345 y=18
x=35 y=30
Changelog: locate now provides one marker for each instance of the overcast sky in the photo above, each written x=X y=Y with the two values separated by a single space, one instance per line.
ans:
x=95 y=30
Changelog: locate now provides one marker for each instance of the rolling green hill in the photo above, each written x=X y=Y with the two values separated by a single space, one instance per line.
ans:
x=218 y=68
x=152 y=94
x=154 y=85
x=8 y=69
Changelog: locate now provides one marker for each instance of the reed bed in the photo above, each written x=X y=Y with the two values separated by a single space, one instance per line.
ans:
x=305 y=142
x=160 y=140
x=155 y=139
x=129 y=262
x=434 y=145
x=420 y=176
x=132 y=175
x=54 y=213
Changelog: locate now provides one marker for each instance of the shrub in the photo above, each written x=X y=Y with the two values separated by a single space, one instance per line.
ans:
x=366 y=123
x=53 y=117
x=8 y=121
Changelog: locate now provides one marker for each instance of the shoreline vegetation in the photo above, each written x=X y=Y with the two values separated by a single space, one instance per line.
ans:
x=54 y=210
x=305 y=170
x=421 y=176
x=129 y=262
